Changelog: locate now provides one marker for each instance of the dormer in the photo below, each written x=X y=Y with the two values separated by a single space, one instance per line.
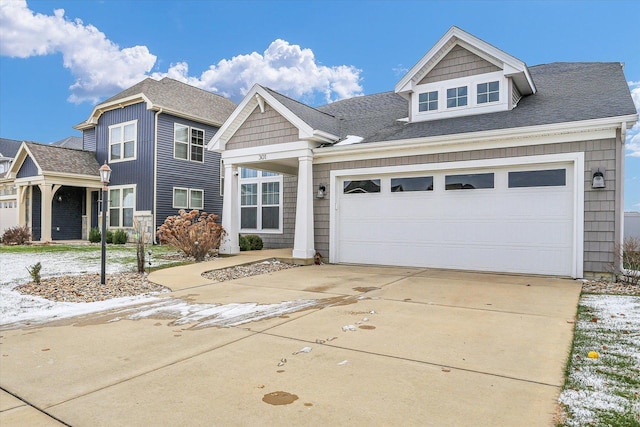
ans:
x=462 y=75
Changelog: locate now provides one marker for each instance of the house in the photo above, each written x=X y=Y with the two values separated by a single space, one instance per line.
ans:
x=474 y=161
x=153 y=136
x=632 y=225
x=8 y=191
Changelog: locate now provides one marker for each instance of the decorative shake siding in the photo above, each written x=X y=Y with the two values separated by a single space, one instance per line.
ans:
x=285 y=239
x=260 y=127
x=599 y=205
x=459 y=62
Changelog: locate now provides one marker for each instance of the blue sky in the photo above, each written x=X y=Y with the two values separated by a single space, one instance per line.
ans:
x=59 y=58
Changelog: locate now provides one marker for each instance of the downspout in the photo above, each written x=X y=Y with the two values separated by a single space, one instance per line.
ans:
x=619 y=198
x=155 y=174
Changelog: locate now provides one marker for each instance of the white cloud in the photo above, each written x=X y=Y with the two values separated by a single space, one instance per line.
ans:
x=633 y=134
x=101 y=68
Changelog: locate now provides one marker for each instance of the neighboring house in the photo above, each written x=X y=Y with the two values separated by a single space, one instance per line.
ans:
x=8 y=191
x=475 y=161
x=153 y=136
x=74 y=142
x=632 y=225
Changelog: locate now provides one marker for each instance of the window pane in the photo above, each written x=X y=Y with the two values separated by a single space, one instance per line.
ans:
x=249 y=194
x=127 y=197
x=451 y=93
x=129 y=149
x=180 y=198
x=114 y=198
x=249 y=217
x=248 y=173
x=422 y=97
x=494 y=96
x=116 y=135
x=545 y=178
x=196 y=199
x=270 y=217
x=181 y=133
x=197 y=137
x=494 y=86
x=127 y=217
x=482 y=88
x=462 y=101
x=462 y=91
x=197 y=153
x=270 y=193
x=469 y=181
x=129 y=132
x=363 y=186
x=423 y=183
x=267 y=173
x=114 y=217
x=482 y=98
x=115 y=151
x=180 y=151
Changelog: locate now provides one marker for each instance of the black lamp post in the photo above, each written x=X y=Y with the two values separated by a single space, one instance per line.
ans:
x=105 y=175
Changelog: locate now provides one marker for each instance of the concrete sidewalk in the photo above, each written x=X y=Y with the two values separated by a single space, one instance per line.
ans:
x=430 y=347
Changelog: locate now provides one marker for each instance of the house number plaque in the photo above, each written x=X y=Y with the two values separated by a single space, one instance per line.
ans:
x=262 y=157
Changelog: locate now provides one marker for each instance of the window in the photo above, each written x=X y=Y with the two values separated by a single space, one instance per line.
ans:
x=122 y=141
x=468 y=181
x=544 y=178
x=422 y=183
x=188 y=198
x=221 y=178
x=457 y=97
x=488 y=92
x=363 y=186
x=260 y=200
x=121 y=207
x=188 y=143
x=428 y=101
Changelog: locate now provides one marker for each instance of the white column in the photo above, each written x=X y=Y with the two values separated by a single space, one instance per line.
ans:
x=303 y=242
x=45 y=212
x=230 y=214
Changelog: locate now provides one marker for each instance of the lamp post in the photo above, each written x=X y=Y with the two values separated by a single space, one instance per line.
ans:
x=105 y=175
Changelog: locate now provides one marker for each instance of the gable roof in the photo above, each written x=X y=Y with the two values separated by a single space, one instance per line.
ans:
x=170 y=96
x=9 y=147
x=56 y=160
x=511 y=66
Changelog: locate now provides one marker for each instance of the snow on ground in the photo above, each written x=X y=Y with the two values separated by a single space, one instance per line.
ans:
x=15 y=307
x=613 y=323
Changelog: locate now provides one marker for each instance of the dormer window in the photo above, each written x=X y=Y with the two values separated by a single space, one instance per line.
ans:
x=428 y=101
x=457 y=97
x=488 y=92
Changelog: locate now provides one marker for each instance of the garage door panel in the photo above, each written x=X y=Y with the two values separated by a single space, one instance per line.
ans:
x=525 y=229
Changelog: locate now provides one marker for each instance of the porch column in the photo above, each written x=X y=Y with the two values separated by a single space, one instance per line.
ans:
x=303 y=243
x=22 y=206
x=46 y=211
x=230 y=206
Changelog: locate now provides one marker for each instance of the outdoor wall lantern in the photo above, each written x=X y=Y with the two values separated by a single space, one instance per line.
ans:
x=59 y=199
x=321 y=191
x=105 y=175
x=598 y=180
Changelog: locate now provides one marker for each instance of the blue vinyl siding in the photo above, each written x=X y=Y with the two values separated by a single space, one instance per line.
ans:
x=140 y=170
x=28 y=168
x=36 y=213
x=89 y=140
x=183 y=173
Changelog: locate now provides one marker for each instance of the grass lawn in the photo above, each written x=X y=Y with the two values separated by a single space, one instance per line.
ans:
x=602 y=385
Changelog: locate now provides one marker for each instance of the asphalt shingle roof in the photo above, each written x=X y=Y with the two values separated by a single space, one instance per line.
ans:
x=74 y=142
x=60 y=159
x=181 y=97
x=9 y=147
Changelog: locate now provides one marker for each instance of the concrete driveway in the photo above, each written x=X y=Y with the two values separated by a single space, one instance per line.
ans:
x=430 y=348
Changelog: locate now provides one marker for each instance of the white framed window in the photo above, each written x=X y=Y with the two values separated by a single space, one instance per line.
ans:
x=188 y=143
x=457 y=97
x=260 y=201
x=428 y=101
x=188 y=198
x=123 y=141
x=122 y=203
x=488 y=92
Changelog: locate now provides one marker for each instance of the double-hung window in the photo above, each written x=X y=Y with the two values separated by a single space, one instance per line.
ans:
x=121 y=207
x=122 y=141
x=188 y=198
x=188 y=143
x=260 y=201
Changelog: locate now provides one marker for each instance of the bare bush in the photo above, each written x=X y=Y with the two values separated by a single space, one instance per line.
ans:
x=194 y=233
x=628 y=256
x=18 y=235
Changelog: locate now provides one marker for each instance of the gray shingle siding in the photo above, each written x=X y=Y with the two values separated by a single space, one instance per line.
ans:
x=459 y=62
x=186 y=174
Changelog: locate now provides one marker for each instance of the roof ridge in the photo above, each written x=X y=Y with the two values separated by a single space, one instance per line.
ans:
x=195 y=87
x=299 y=102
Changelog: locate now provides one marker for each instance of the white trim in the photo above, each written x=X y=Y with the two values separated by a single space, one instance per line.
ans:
x=122 y=125
x=190 y=129
x=108 y=106
x=502 y=138
x=193 y=190
x=576 y=158
x=120 y=207
x=173 y=198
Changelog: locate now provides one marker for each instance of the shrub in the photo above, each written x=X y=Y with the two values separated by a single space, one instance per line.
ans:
x=109 y=238
x=255 y=242
x=120 y=237
x=141 y=236
x=194 y=233
x=34 y=271
x=18 y=235
x=94 y=235
x=629 y=257
x=244 y=243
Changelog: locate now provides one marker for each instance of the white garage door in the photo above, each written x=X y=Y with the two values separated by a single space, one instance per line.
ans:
x=512 y=219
